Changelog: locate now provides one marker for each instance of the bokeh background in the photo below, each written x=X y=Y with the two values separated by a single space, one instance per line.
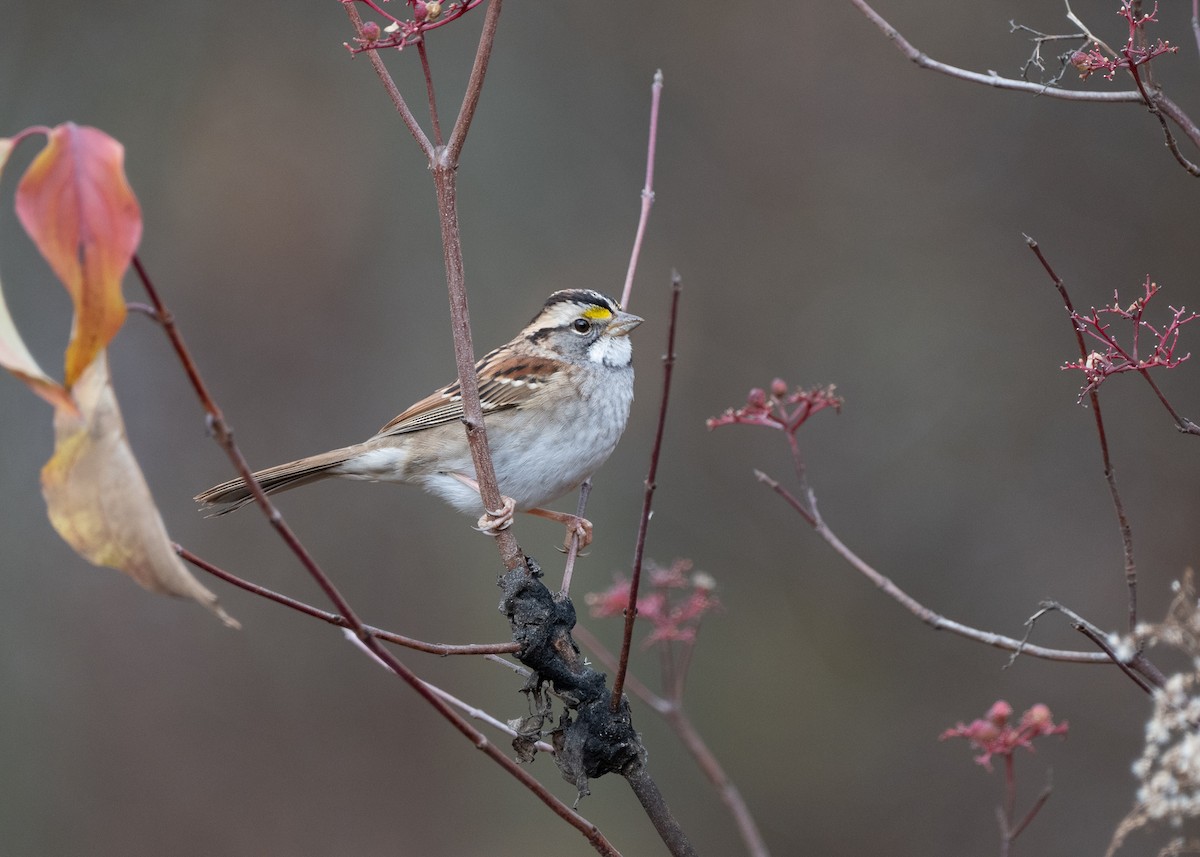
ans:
x=837 y=215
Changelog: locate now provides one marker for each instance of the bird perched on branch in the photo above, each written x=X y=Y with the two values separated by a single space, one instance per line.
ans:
x=555 y=400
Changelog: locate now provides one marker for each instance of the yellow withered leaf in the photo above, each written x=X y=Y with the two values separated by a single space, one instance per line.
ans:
x=98 y=499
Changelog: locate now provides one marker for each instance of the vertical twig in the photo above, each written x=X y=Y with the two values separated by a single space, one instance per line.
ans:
x=648 y=497
x=1196 y=22
x=445 y=168
x=433 y=111
x=672 y=710
x=585 y=491
x=1152 y=105
x=444 y=179
x=1109 y=474
x=1005 y=813
x=647 y=189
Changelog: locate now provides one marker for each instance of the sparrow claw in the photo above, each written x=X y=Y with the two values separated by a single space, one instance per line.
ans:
x=491 y=523
x=577 y=527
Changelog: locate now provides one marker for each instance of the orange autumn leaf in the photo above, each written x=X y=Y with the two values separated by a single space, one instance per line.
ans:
x=14 y=355
x=98 y=500
x=77 y=206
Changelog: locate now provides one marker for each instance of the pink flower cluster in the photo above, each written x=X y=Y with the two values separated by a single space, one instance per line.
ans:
x=1116 y=358
x=780 y=409
x=400 y=33
x=1130 y=56
x=995 y=735
x=679 y=600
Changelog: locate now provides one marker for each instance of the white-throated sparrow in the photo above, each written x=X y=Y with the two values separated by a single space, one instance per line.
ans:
x=555 y=398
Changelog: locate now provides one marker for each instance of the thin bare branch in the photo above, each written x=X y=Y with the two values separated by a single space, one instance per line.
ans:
x=990 y=79
x=1196 y=22
x=664 y=822
x=647 y=188
x=585 y=491
x=676 y=716
x=445 y=181
x=648 y=497
x=1138 y=96
x=334 y=619
x=1110 y=476
x=389 y=85
x=1152 y=105
x=429 y=94
x=1146 y=675
x=458 y=136
x=929 y=617
x=479 y=714
x=224 y=437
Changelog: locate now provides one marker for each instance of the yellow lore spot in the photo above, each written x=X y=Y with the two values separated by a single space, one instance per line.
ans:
x=596 y=312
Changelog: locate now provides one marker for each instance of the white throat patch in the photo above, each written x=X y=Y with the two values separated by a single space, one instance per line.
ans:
x=613 y=351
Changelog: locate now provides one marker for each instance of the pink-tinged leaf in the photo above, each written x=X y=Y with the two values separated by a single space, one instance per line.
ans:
x=77 y=206
x=14 y=356
x=98 y=500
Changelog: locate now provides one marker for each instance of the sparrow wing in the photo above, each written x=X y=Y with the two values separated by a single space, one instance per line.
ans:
x=505 y=381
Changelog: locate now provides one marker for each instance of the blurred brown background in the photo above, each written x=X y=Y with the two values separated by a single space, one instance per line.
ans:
x=837 y=215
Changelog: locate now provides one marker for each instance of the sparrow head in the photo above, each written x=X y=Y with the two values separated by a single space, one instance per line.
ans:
x=584 y=326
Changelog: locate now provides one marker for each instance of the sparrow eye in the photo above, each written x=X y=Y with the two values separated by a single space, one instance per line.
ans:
x=581 y=325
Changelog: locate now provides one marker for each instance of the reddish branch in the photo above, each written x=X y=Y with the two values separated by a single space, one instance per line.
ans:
x=404 y=32
x=996 y=735
x=334 y=619
x=1094 y=60
x=1116 y=359
x=1110 y=476
x=675 y=608
x=648 y=496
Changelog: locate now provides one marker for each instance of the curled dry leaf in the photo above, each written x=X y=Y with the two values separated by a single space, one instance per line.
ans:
x=98 y=500
x=14 y=356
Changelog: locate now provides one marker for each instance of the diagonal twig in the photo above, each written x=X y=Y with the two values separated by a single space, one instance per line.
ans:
x=334 y=619
x=1110 y=476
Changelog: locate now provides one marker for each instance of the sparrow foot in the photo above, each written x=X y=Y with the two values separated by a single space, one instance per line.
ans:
x=576 y=526
x=491 y=523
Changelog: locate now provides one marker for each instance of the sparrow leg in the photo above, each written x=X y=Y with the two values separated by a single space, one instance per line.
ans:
x=576 y=526
x=490 y=522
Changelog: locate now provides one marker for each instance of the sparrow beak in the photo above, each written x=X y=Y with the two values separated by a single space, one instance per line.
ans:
x=622 y=323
